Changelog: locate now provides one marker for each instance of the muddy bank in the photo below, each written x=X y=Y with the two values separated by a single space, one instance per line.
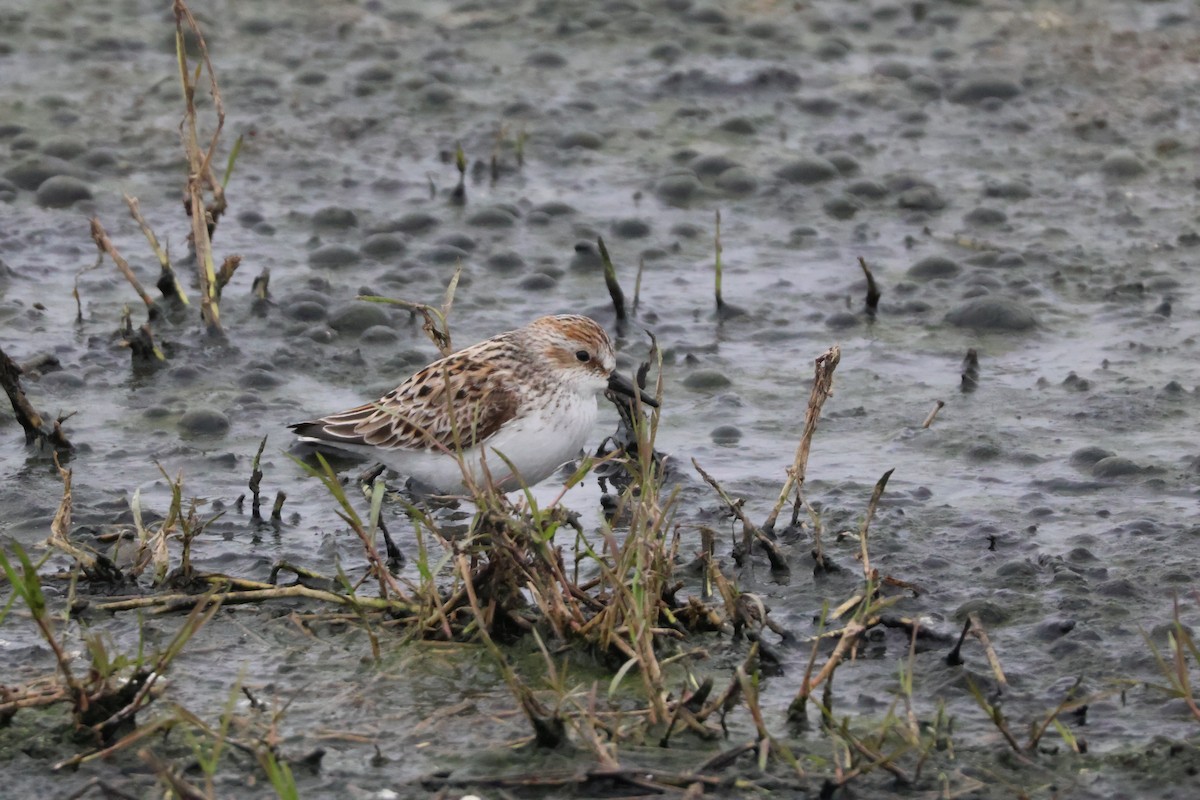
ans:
x=1021 y=183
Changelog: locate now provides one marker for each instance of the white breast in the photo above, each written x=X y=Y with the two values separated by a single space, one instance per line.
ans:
x=542 y=440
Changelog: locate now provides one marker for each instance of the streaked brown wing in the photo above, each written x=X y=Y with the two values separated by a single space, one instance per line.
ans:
x=460 y=392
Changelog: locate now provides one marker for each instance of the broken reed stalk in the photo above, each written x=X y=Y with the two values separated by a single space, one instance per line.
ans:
x=177 y=601
x=256 y=476
x=60 y=528
x=261 y=288
x=938 y=406
x=460 y=163
x=200 y=171
x=978 y=631
x=168 y=283
x=637 y=284
x=822 y=390
x=225 y=273
x=31 y=421
x=880 y=485
x=873 y=293
x=105 y=245
x=849 y=636
x=610 y=280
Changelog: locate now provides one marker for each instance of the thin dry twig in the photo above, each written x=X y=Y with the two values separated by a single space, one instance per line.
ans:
x=880 y=485
x=105 y=245
x=822 y=390
x=168 y=283
x=938 y=406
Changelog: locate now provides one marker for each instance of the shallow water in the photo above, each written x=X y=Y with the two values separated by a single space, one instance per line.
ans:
x=1046 y=155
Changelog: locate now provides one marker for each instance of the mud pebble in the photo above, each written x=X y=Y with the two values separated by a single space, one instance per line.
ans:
x=707 y=15
x=989 y=612
x=921 y=198
x=62 y=381
x=586 y=257
x=1007 y=190
x=311 y=77
x=832 y=48
x=538 y=282
x=871 y=190
x=62 y=191
x=992 y=314
x=31 y=174
x=381 y=246
x=842 y=206
x=321 y=334
x=443 y=254
x=335 y=218
x=334 y=256
x=737 y=182
x=631 y=228
x=203 y=422
x=585 y=139
x=933 y=268
x=1054 y=628
x=412 y=222
x=842 y=320
x=306 y=311
x=706 y=380
x=740 y=126
x=726 y=434
x=687 y=230
x=259 y=379
x=1115 y=467
x=377 y=73
x=846 y=164
x=808 y=171
x=1017 y=571
x=546 y=59
x=711 y=166
x=1119 y=588
x=897 y=70
x=976 y=90
x=1009 y=260
x=505 y=261
x=924 y=87
x=1122 y=165
x=492 y=217
x=678 y=189
x=555 y=208
x=666 y=52
x=65 y=146
x=436 y=95
x=100 y=158
x=379 y=334
x=356 y=317
x=460 y=240
x=983 y=216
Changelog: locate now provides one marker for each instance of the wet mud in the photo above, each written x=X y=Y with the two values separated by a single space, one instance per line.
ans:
x=1020 y=179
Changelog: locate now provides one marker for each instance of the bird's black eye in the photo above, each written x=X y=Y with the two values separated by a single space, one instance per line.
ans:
x=583 y=355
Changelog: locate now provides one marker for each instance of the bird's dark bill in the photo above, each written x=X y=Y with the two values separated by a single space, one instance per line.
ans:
x=622 y=385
